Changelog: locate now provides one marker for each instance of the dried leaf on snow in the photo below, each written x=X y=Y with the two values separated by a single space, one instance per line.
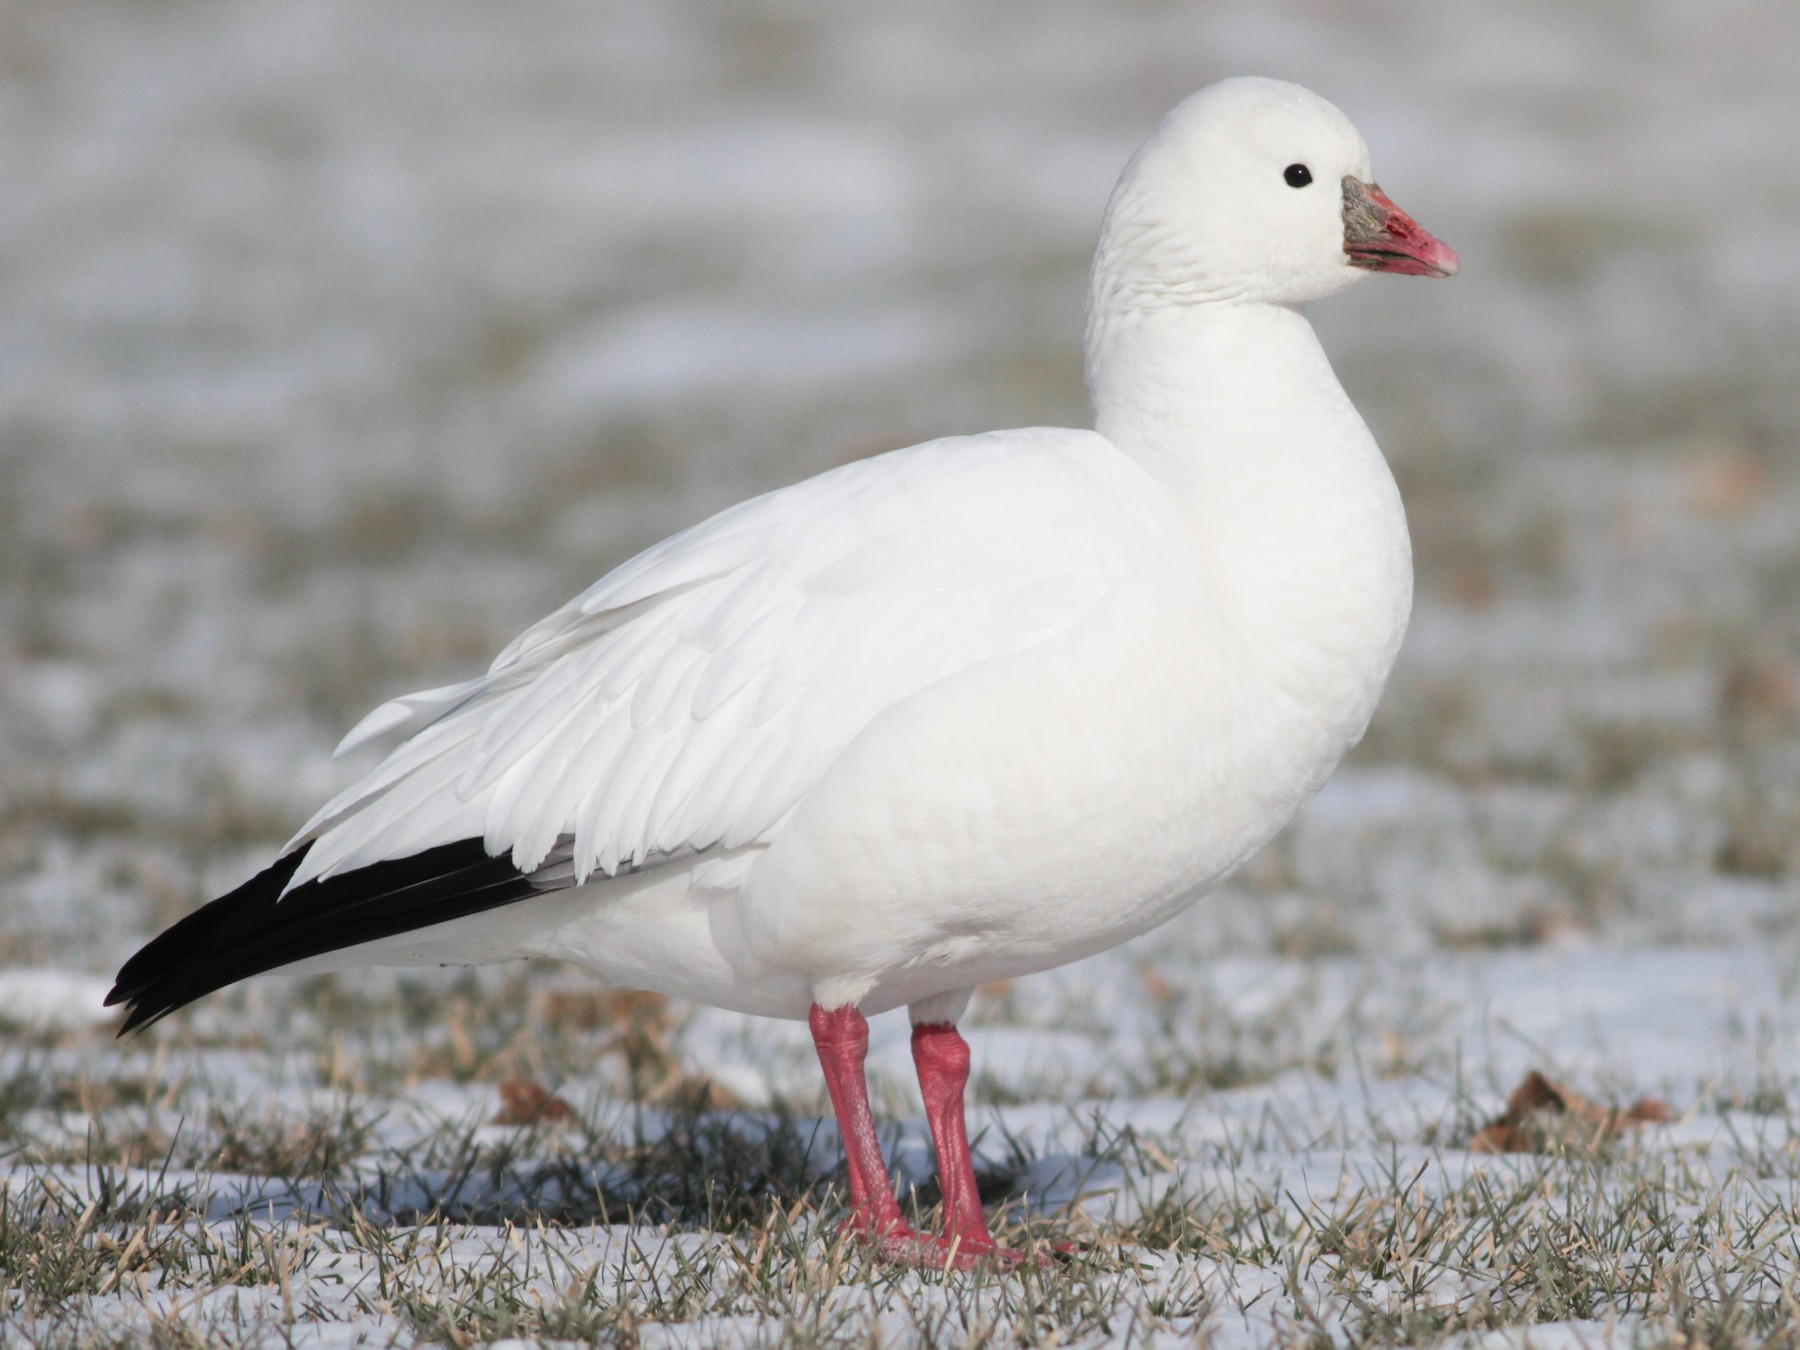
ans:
x=523 y=1102
x=1541 y=1112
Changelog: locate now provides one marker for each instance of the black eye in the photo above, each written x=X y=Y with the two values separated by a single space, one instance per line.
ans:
x=1297 y=175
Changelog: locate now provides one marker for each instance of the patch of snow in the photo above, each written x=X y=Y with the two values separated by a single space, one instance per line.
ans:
x=58 y=1000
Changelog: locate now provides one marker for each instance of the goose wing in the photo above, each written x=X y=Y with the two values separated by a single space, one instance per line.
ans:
x=690 y=699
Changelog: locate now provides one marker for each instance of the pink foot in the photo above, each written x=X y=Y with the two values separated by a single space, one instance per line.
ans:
x=929 y=1251
x=842 y=1038
x=859 y=1227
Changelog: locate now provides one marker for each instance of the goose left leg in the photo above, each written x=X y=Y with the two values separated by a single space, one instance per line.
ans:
x=941 y=1056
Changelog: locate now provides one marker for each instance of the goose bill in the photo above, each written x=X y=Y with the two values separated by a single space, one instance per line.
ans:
x=1381 y=237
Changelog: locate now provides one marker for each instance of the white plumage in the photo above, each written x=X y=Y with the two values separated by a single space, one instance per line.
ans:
x=962 y=711
x=689 y=700
x=977 y=707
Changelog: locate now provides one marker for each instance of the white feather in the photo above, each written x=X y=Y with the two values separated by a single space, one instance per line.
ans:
x=786 y=604
x=977 y=707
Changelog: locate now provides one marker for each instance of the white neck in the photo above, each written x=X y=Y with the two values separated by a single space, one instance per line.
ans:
x=1289 y=503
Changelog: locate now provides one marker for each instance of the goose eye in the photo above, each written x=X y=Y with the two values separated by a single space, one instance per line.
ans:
x=1297 y=175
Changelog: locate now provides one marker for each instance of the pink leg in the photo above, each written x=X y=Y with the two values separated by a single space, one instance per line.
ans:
x=942 y=1058
x=841 y=1037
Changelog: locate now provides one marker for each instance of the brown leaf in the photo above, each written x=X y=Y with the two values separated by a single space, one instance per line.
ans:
x=693 y=1093
x=523 y=1102
x=1499 y=1138
x=1474 y=587
x=637 y=1026
x=1649 y=1111
x=1540 y=1112
x=1156 y=984
x=590 y=1009
x=1757 y=690
x=1725 y=483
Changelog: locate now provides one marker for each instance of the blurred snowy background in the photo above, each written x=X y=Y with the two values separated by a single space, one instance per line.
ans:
x=337 y=343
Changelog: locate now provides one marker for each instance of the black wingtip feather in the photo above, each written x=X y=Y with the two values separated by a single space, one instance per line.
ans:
x=256 y=928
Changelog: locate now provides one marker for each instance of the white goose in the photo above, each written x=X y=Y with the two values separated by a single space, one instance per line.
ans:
x=957 y=713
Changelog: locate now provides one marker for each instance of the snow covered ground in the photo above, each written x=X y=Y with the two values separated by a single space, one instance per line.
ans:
x=338 y=343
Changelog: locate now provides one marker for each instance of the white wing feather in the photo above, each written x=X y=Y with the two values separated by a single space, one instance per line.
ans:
x=692 y=697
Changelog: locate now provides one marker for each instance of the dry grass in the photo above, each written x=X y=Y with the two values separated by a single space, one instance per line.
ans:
x=118 y=1220
x=267 y=461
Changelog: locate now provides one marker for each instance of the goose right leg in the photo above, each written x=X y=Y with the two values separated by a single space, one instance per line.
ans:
x=841 y=1036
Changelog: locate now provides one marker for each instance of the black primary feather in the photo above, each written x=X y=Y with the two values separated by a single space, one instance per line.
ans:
x=256 y=928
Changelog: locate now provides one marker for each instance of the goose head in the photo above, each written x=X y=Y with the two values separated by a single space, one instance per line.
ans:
x=1253 y=190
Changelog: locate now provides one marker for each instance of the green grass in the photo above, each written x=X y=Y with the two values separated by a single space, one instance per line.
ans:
x=1318 y=1227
